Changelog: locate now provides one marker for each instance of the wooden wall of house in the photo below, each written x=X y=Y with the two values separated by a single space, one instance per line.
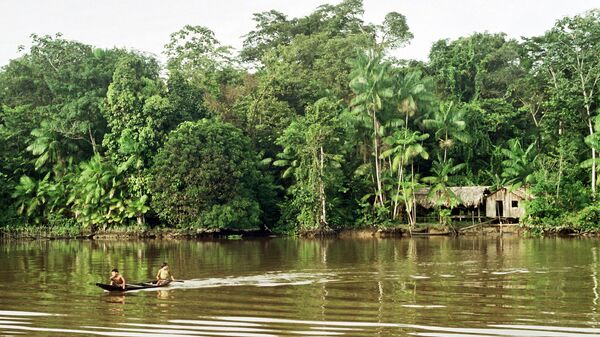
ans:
x=512 y=204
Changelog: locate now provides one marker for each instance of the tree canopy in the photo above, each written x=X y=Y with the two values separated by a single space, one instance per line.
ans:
x=312 y=126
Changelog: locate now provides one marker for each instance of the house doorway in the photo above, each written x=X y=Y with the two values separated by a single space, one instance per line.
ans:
x=499 y=208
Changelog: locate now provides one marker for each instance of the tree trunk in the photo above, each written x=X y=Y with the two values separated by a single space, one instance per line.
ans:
x=591 y=129
x=445 y=147
x=400 y=170
x=377 y=163
x=323 y=220
x=414 y=197
x=396 y=202
x=92 y=141
x=560 y=160
x=410 y=204
x=587 y=99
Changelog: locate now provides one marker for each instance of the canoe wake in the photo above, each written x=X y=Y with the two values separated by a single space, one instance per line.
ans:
x=273 y=279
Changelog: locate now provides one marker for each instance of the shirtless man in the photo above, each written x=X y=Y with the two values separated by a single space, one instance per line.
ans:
x=164 y=275
x=116 y=279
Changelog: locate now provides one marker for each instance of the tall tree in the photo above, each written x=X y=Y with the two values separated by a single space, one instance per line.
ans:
x=136 y=112
x=412 y=95
x=275 y=29
x=196 y=57
x=372 y=84
x=206 y=176
x=406 y=146
x=449 y=126
x=569 y=53
x=313 y=152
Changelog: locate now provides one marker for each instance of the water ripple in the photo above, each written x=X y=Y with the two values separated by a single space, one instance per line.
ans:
x=252 y=326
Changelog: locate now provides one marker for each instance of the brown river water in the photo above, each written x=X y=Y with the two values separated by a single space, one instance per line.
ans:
x=438 y=286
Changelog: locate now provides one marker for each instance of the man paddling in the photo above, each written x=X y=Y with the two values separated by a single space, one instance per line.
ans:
x=116 y=279
x=164 y=275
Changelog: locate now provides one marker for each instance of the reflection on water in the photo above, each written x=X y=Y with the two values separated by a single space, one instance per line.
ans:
x=288 y=287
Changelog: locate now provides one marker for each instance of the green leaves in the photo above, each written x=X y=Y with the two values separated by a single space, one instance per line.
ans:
x=104 y=135
x=448 y=124
x=198 y=56
x=441 y=181
x=203 y=168
x=281 y=162
x=275 y=30
x=36 y=199
x=406 y=145
x=370 y=81
x=99 y=195
x=519 y=164
x=312 y=155
x=394 y=31
x=50 y=148
x=359 y=84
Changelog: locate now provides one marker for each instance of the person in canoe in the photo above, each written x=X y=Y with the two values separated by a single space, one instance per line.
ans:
x=164 y=275
x=116 y=279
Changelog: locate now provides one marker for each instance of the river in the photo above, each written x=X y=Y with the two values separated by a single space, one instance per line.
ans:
x=437 y=286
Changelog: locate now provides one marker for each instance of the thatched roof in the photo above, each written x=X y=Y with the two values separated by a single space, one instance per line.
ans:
x=468 y=196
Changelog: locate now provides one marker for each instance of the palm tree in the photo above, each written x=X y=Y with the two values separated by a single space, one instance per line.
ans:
x=440 y=191
x=97 y=195
x=405 y=146
x=593 y=141
x=518 y=165
x=371 y=84
x=495 y=180
x=412 y=94
x=37 y=199
x=449 y=126
x=48 y=148
x=27 y=196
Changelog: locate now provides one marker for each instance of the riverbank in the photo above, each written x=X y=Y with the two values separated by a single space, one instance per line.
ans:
x=136 y=232
x=420 y=231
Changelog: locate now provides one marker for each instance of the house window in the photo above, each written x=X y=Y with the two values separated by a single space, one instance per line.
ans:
x=514 y=204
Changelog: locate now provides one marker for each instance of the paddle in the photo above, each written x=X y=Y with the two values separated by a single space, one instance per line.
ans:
x=154 y=281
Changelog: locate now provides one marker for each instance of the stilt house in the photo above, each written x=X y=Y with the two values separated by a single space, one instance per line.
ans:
x=506 y=203
x=471 y=202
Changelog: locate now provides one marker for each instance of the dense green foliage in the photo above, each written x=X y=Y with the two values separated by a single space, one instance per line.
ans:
x=325 y=131
x=206 y=176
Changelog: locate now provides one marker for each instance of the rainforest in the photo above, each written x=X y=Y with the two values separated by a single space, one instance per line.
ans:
x=315 y=125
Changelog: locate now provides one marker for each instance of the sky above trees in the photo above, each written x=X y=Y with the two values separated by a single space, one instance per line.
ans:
x=145 y=25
